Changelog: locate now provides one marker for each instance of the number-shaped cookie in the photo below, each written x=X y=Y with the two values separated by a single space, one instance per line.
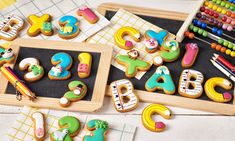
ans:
x=69 y=27
x=35 y=71
x=99 y=130
x=84 y=67
x=39 y=126
x=62 y=63
x=6 y=56
x=69 y=127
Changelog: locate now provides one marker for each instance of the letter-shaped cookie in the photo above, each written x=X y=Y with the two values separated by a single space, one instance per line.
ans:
x=152 y=109
x=88 y=14
x=162 y=73
x=123 y=31
x=10 y=27
x=190 y=55
x=160 y=36
x=99 y=129
x=39 y=126
x=77 y=91
x=218 y=82
x=6 y=56
x=186 y=80
x=118 y=95
x=40 y=25
x=84 y=67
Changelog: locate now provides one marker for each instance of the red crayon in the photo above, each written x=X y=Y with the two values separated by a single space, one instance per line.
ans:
x=225 y=62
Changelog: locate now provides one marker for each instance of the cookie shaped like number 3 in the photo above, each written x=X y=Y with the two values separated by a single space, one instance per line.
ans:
x=69 y=27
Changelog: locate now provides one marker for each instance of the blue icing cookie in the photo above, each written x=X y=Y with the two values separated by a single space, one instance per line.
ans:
x=70 y=27
x=6 y=54
x=160 y=36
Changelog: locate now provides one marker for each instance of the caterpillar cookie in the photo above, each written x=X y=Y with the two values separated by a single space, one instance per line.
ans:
x=119 y=96
x=77 y=91
x=69 y=127
x=153 y=84
x=132 y=63
x=10 y=27
x=190 y=55
x=39 y=125
x=84 y=67
x=6 y=56
x=99 y=129
x=69 y=27
x=191 y=78
x=35 y=71
x=123 y=31
x=151 y=45
x=40 y=25
x=62 y=63
x=88 y=14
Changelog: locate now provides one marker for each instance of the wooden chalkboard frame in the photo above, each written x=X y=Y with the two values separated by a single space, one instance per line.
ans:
x=179 y=101
x=43 y=102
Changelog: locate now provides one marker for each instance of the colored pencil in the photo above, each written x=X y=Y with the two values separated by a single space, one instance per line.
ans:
x=225 y=62
x=223 y=66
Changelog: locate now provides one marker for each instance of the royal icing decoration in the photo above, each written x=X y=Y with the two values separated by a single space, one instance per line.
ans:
x=88 y=14
x=6 y=55
x=152 y=109
x=39 y=126
x=186 y=81
x=10 y=27
x=84 y=67
x=70 y=127
x=77 y=91
x=159 y=37
x=162 y=73
x=151 y=45
x=118 y=95
x=35 y=71
x=99 y=129
x=69 y=27
x=40 y=25
x=132 y=63
x=123 y=31
x=190 y=55
x=62 y=62
x=218 y=82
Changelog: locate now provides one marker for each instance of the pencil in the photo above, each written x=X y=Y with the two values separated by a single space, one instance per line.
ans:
x=223 y=66
x=225 y=62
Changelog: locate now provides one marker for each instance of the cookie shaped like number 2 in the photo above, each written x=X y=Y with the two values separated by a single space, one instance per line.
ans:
x=69 y=27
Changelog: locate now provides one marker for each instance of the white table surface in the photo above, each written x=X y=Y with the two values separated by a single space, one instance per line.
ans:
x=186 y=124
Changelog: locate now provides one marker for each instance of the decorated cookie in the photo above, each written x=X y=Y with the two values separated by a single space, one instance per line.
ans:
x=62 y=63
x=77 y=91
x=191 y=78
x=6 y=56
x=123 y=95
x=69 y=127
x=151 y=45
x=39 y=126
x=123 y=31
x=10 y=27
x=149 y=111
x=170 y=51
x=162 y=73
x=35 y=71
x=132 y=63
x=69 y=27
x=190 y=55
x=84 y=67
x=213 y=94
x=88 y=14
x=99 y=129
x=159 y=37
x=40 y=25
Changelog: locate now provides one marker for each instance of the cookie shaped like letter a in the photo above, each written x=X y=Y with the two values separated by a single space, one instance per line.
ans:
x=62 y=63
x=186 y=81
x=6 y=56
x=118 y=95
x=84 y=67
x=69 y=127
x=162 y=73
x=152 y=109
x=190 y=55
x=88 y=14
x=35 y=71
x=99 y=129
x=123 y=31
x=69 y=27
x=77 y=91
x=39 y=126
x=40 y=25
x=213 y=94
x=10 y=27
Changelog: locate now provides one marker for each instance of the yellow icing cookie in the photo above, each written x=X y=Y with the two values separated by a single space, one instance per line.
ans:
x=84 y=67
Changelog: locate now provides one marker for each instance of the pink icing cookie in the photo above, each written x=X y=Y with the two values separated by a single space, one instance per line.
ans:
x=88 y=14
x=190 y=55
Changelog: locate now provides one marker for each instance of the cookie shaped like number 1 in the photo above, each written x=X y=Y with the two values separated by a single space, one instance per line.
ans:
x=84 y=67
x=39 y=126
x=69 y=27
